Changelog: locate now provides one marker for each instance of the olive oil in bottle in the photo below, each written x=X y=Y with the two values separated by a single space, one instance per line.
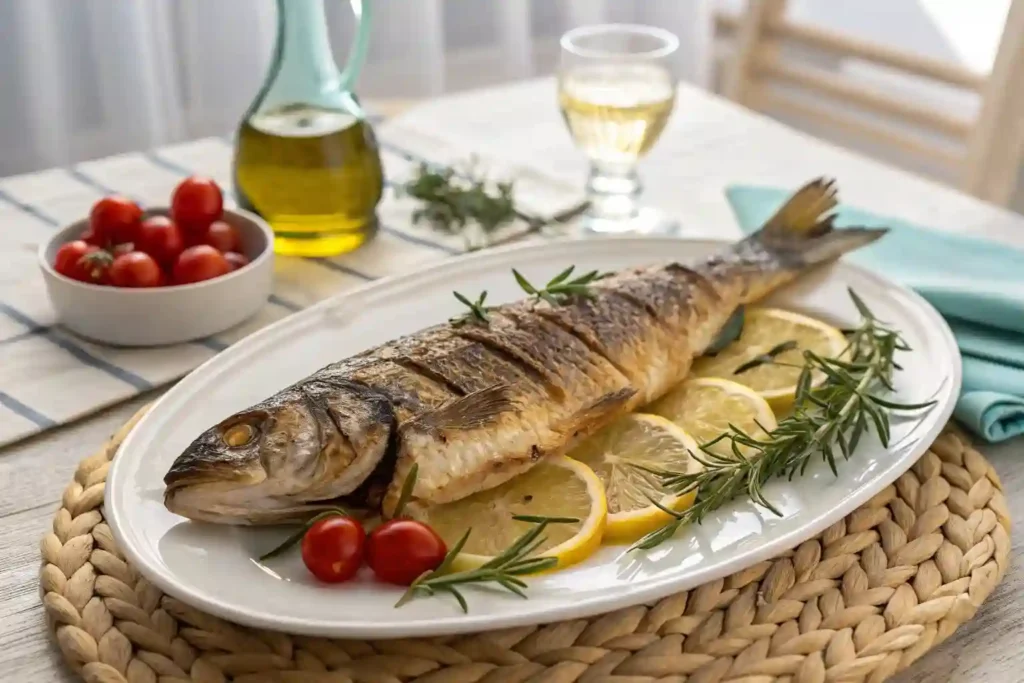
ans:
x=305 y=157
x=313 y=174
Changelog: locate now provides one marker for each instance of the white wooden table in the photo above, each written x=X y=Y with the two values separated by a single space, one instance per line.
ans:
x=709 y=144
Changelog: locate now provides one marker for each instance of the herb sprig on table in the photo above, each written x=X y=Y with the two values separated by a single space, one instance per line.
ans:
x=459 y=202
x=452 y=201
x=832 y=416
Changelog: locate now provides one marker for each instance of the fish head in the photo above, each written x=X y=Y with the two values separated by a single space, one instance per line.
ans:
x=281 y=460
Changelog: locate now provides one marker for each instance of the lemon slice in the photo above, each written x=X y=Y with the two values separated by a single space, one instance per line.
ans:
x=556 y=487
x=614 y=453
x=764 y=329
x=706 y=406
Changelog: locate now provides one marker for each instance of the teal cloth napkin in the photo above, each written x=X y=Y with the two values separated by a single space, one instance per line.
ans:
x=977 y=285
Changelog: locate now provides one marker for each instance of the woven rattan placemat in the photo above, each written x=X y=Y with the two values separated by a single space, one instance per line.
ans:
x=861 y=601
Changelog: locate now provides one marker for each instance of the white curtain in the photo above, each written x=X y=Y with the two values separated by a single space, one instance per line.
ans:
x=85 y=78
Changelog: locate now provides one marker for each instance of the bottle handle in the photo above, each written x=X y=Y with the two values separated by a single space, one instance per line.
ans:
x=357 y=53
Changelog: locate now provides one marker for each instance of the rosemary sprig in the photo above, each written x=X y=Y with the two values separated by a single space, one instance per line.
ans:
x=477 y=310
x=766 y=357
x=408 y=484
x=836 y=414
x=560 y=287
x=297 y=536
x=451 y=200
x=454 y=200
x=503 y=570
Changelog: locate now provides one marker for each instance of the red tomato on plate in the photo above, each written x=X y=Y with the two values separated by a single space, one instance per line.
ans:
x=196 y=202
x=136 y=269
x=223 y=237
x=82 y=261
x=114 y=220
x=332 y=549
x=236 y=260
x=400 y=550
x=159 y=237
x=198 y=263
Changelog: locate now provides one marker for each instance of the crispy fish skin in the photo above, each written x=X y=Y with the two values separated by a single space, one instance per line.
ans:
x=475 y=404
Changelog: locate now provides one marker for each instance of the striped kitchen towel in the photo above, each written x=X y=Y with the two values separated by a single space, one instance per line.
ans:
x=49 y=377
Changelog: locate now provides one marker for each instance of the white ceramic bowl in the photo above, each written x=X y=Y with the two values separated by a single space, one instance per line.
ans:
x=163 y=315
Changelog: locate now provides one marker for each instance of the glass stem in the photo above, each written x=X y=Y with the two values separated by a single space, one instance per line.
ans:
x=614 y=192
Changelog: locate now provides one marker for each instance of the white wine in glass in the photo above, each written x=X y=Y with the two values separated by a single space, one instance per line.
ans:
x=616 y=93
x=616 y=114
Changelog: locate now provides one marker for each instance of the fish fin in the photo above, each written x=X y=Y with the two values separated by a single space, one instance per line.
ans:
x=802 y=231
x=587 y=420
x=468 y=412
x=806 y=212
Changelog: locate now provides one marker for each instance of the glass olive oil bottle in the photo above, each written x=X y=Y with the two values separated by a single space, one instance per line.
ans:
x=305 y=157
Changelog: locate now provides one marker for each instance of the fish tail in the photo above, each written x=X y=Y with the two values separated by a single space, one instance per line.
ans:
x=802 y=234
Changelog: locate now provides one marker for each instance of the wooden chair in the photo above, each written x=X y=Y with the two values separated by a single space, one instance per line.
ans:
x=983 y=154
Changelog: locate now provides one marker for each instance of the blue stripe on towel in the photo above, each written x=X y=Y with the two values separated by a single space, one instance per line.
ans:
x=86 y=179
x=24 y=335
x=29 y=209
x=404 y=153
x=284 y=303
x=334 y=265
x=167 y=164
x=211 y=343
x=30 y=414
x=421 y=241
x=78 y=352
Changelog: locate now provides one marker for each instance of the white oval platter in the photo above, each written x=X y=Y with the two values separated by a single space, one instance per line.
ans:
x=213 y=567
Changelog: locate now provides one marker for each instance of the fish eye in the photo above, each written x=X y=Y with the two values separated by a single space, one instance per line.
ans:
x=238 y=435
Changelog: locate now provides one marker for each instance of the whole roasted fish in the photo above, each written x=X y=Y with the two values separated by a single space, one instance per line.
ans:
x=475 y=404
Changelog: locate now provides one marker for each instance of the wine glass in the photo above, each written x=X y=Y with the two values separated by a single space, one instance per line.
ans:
x=616 y=92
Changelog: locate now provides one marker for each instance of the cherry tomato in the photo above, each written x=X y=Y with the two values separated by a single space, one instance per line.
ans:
x=332 y=549
x=222 y=237
x=96 y=266
x=90 y=237
x=135 y=269
x=196 y=202
x=198 y=263
x=122 y=249
x=160 y=238
x=67 y=260
x=400 y=550
x=81 y=261
x=114 y=220
x=236 y=260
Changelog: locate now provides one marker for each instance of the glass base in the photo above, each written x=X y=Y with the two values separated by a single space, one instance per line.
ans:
x=646 y=221
x=614 y=192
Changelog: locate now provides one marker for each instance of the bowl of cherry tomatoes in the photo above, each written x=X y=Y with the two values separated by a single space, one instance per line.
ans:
x=133 y=277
